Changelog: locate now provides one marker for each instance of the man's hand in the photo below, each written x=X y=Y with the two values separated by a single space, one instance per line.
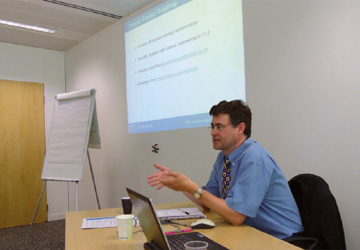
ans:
x=171 y=179
x=154 y=179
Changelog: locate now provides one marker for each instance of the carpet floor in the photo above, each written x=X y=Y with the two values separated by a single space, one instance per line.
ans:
x=44 y=236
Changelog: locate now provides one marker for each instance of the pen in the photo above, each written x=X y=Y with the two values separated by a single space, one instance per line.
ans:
x=184 y=211
x=178 y=231
x=173 y=222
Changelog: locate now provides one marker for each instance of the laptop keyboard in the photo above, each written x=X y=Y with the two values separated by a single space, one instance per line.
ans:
x=177 y=242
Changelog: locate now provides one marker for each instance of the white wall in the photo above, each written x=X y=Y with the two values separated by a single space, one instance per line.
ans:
x=22 y=63
x=303 y=84
x=302 y=72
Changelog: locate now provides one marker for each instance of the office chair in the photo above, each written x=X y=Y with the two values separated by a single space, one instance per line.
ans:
x=319 y=213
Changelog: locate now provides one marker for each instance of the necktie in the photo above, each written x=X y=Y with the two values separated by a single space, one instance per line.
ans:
x=226 y=177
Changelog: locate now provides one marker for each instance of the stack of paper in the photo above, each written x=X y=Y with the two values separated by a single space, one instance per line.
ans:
x=180 y=213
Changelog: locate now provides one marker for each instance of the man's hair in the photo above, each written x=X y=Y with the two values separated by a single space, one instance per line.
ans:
x=238 y=111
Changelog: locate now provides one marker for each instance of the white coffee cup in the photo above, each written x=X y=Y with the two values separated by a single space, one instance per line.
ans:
x=125 y=224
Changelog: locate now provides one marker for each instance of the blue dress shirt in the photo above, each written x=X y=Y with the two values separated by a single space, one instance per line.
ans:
x=258 y=189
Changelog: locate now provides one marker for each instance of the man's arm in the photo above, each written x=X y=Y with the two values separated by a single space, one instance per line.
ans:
x=179 y=182
x=218 y=205
x=196 y=201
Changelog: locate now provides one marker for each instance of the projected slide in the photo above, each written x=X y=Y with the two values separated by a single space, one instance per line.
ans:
x=182 y=57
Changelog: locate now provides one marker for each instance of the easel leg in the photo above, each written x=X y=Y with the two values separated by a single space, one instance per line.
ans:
x=77 y=196
x=37 y=208
x=92 y=174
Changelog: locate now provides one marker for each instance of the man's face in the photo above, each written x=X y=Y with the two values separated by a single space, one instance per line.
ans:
x=228 y=138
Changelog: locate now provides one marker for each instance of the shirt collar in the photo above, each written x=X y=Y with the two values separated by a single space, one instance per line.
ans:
x=239 y=150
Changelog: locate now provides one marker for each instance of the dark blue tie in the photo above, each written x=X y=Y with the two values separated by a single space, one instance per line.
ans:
x=226 y=177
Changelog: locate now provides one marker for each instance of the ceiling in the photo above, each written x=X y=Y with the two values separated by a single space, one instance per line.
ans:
x=73 y=20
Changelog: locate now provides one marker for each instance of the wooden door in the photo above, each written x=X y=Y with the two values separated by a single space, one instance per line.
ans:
x=22 y=150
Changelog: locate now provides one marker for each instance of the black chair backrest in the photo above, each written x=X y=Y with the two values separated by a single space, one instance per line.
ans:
x=318 y=210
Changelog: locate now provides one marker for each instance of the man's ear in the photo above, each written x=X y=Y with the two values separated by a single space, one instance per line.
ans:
x=241 y=127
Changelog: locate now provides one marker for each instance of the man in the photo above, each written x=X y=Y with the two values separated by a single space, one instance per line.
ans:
x=246 y=185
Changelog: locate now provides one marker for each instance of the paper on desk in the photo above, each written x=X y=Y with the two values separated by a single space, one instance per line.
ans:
x=102 y=222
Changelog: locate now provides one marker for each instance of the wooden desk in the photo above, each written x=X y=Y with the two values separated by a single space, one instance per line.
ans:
x=232 y=237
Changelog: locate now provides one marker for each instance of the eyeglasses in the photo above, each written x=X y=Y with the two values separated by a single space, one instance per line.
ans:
x=217 y=127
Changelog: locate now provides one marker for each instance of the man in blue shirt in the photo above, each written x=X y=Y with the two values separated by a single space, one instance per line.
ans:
x=246 y=185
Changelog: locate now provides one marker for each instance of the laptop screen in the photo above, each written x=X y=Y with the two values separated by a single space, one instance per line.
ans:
x=149 y=221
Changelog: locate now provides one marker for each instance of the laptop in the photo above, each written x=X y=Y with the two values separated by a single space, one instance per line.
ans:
x=151 y=226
